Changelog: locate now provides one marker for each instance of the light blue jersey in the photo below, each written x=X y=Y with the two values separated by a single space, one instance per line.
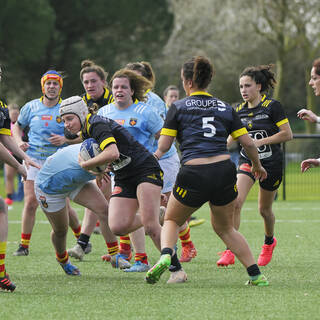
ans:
x=42 y=121
x=159 y=106
x=61 y=172
x=140 y=120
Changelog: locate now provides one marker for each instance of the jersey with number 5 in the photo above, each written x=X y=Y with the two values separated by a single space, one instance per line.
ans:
x=202 y=124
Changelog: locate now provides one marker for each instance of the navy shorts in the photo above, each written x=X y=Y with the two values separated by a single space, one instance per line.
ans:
x=214 y=182
x=273 y=180
x=126 y=187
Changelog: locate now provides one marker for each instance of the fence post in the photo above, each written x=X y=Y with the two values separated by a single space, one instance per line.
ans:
x=284 y=171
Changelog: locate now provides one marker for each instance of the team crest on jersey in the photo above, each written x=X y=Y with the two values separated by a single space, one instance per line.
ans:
x=249 y=124
x=133 y=121
x=43 y=201
x=58 y=119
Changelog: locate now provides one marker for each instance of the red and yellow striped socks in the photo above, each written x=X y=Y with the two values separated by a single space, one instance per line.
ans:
x=141 y=257
x=77 y=231
x=62 y=258
x=125 y=245
x=184 y=236
x=113 y=248
x=3 y=248
x=25 y=240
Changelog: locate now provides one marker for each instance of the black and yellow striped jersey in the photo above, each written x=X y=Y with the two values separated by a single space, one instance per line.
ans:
x=202 y=124
x=107 y=131
x=4 y=119
x=105 y=99
x=263 y=121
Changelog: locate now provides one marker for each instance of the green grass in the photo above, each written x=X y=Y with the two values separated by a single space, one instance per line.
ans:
x=45 y=292
x=298 y=186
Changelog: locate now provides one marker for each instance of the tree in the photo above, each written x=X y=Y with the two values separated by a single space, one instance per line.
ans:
x=60 y=34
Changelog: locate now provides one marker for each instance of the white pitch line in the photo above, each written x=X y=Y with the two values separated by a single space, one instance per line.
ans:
x=286 y=221
x=244 y=220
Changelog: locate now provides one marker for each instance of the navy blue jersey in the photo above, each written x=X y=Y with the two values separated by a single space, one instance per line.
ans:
x=202 y=125
x=105 y=99
x=106 y=131
x=5 y=122
x=263 y=121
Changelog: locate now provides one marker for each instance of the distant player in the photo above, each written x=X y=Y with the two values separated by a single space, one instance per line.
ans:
x=46 y=136
x=268 y=125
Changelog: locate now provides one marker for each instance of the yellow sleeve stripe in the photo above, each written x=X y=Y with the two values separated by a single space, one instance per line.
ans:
x=168 y=132
x=238 y=133
x=107 y=141
x=280 y=123
x=5 y=131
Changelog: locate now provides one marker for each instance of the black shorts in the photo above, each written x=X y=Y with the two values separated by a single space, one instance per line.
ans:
x=274 y=177
x=127 y=187
x=214 y=182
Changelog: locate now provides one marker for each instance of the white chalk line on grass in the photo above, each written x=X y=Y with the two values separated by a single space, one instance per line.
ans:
x=287 y=208
x=244 y=220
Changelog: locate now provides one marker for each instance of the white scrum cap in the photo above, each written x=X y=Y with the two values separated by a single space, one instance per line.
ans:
x=74 y=105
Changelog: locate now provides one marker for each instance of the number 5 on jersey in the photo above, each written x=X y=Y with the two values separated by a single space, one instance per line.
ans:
x=207 y=125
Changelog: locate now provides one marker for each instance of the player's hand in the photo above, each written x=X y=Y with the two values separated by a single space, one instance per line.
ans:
x=258 y=142
x=28 y=162
x=102 y=177
x=24 y=146
x=57 y=140
x=309 y=163
x=308 y=115
x=259 y=172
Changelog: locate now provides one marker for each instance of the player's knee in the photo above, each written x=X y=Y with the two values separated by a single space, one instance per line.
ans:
x=3 y=206
x=31 y=204
x=265 y=211
x=118 y=229
x=151 y=229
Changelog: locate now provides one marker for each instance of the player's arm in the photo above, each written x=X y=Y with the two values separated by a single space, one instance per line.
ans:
x=168 y=133
x=284 y=134
x=6 y=157
x=109 y=154
x=240 y=133
x=309 y=163
x=308 y=115
x=10 y=143
x=102 y=133
x=164 y=144
x=252 y=152
x=17 y=133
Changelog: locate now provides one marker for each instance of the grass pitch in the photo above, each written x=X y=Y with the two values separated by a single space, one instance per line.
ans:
x=45 y=292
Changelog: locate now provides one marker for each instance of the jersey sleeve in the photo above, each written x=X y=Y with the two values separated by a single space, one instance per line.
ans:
x=170 y=127
x=24 y=116
x=237 y=128
x=5 y=120
x=278 y=114
x=102 y=133
x=154 y=122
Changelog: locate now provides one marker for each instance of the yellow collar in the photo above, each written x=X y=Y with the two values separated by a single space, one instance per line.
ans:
x=200 y=93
